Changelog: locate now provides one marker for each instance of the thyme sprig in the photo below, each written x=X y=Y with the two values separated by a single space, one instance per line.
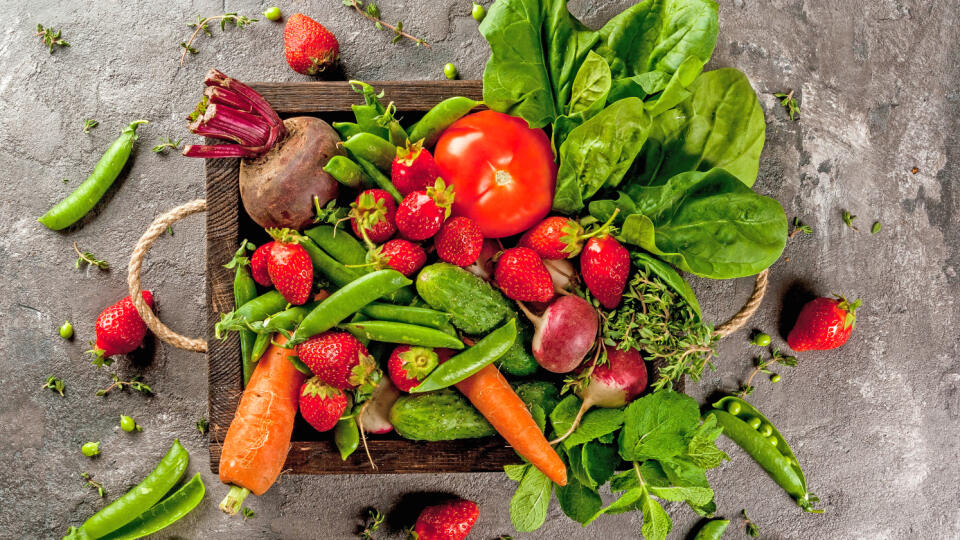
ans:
x=94 y=484
x=763 y=366
x=133 y=384
x=166 y=144
x=789 y=103
x=88 y=124
x=371 y=11
x=51 y=38
x=56 y=384
x=203 y=25
x=85 y=257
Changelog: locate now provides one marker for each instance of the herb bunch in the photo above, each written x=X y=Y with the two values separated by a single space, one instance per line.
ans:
x=653 y=319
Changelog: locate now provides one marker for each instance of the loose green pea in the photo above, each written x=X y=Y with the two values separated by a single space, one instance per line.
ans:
x=128 y=424
x=775 y=378
x=761 y=339
x=766 y=430
x=273 y=13
x=450 y=71
x=90 y=449
x=66 y=330
x=479 y=12
x=754 y=423
x=773 y=440
x=734 y=408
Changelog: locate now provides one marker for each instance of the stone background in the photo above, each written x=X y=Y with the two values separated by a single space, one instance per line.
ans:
x=875 y=424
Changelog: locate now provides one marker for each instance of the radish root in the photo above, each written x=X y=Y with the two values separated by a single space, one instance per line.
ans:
x=363 y=434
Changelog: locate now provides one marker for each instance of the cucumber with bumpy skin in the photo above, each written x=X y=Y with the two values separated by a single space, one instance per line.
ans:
x=475 y=306
x=542 y=393
x=443 y=415
x=518 y=361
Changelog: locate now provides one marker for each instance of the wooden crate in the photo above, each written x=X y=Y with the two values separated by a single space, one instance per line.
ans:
x=312 y=452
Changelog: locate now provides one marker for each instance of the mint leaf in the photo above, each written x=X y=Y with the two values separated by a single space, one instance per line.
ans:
x=653 y=474
x=696 y=496
x=626 y=503
x=528 y=507
x=656 y=426
x=594 y=424
x=702 y=449
x=656 y=522
x=579 y=502
x=515 y=472
x=538 y=414
x=599 y=462
x=684 y=473
x=624 y=481
x=562 y=416
x=577 y=470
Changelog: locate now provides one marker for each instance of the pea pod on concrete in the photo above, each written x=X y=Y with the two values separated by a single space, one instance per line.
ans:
x=348 y=300
x=439 y=118
x=164 y=513
x=88 y=194
x=712 y=530
x=481 y=354
x=397 y=332
x=772 y=451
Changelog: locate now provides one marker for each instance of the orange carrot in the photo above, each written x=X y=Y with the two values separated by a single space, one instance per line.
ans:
x=502 y=407
x=258 y=440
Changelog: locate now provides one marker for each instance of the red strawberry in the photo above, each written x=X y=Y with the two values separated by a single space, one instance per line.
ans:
x=409 y=365
x=402 y=255
x=459 y=241
x=421 y=213
x=556 y=237
x=290 y=267
x=448 y=521
x=823 y=324
x=374 y=212
x=521 y=275
x=258 y=264
x=413 y=168
x=321 y=405
x=120 y=330
x=310 y=48
x=340 y=360
x=605 y=265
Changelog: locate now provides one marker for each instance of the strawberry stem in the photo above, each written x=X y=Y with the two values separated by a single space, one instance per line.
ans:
x=607 y=226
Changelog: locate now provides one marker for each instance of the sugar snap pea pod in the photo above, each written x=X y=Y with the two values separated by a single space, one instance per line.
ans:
x=348 y=300
x=88 y=194
x=139 y=499
x=372 y=148
x=772 y=453
x=712 y=530
x=472 y=360
x=257 y=309
x=346 y=129
x=409 y=314
x=439 y=118
x=285 y=321
x=340 y=244
x=164 y=513
x=346 y=435
x=366 y=116
x=244 y=290
x=408 y=334
x=337 y=273
x=357 y=332
x=379 y=178
x=348 y=173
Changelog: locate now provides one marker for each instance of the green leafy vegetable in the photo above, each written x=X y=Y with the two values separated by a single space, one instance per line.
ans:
x=848 y=220
x=578 y=501
x=591 y=85
x=656 y=426
x=528 y=507
x=789 y=103
x=88 y=124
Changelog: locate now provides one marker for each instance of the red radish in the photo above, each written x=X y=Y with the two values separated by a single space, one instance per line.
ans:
x=562 y=273
x=611 y=385
x=413 y=169
x=521 y=275
x=483 y=266
x=459 y=241
x=373 y=213
x=258 y=264
x=421 y=213
x=375 y=414
x=564 y=334
x=402 y=255
x=289 y=266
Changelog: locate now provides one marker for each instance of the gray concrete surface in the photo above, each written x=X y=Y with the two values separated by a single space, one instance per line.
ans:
x=875 y=424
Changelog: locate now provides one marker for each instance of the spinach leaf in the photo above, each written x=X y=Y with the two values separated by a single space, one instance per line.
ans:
x=721 y=125
x=599 y=152
x=708 y=224
x=536 y=47
x=591 y=85
x=660 y=91
x=528 y=507
x=658 y=35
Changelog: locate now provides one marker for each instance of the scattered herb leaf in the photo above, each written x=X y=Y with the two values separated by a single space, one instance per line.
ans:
x=166 y=144
x=56 y=384
x=94 y=484
x=876 y=228
x=330 y=214
x=88 y=124
x=371 y=524
x=203 y=426
x=86 y=257
x=751 y=527
x=133 y=384
x=371 y=11
x=65 y=180
x=848 y=220
x=247 y=513
x=203 y=25
x=170 y=230
x=799 y=227
x=789 y=103
x=763 y=366
x=50 y=38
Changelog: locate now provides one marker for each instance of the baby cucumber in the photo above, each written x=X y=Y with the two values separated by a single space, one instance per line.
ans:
x=475 y=307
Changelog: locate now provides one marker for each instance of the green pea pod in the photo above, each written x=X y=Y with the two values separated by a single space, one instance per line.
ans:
x=337 y=273
x=348 y=300
x=301 y=367
x=88 y=194
x=712 y=530
x=255 y=310
x=346 y=129
x=164 y=513
x=366 y=116
x=408 y=334
x=472 y=360
x=348 y=173
x=357 y=333
x=439 y=118
x=372 y=148
x=379 y=178
x=346 y=435
x=285 y=321
x=340 y=244
x=408 y=314
x=260 y=346
x=142 y=497
x=777 y=459
x=244 y=290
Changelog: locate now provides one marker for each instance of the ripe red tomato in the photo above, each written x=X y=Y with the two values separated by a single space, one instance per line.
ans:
x=502 y=172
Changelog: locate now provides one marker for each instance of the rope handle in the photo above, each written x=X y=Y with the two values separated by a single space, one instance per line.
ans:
x=159 y=226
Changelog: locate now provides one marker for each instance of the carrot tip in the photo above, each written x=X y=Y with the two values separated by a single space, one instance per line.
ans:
x=234 y=499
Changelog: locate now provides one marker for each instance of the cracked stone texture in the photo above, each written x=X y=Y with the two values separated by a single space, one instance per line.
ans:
x=875 y=424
